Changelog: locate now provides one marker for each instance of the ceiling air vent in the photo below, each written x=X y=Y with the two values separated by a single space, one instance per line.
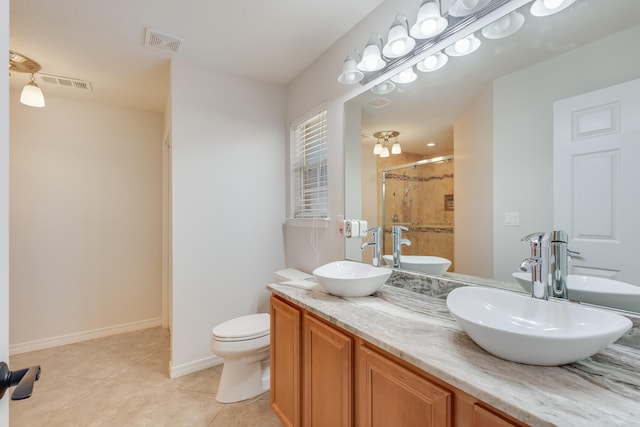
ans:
x=162 y=41
x=65 y=81
x=379 y=102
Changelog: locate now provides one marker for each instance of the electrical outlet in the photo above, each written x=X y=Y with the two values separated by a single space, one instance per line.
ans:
x=340 y=225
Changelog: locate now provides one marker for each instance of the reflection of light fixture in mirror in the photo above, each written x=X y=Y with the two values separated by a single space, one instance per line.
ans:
x=504 y=26
x=429 y=22
x=382 y=148
x=467 y=7
x=31 y=94
x=549 y=7
x=405 y=76
x=350 y=73
x=433 y=62
x=372 y=55
x=431 y=144
x=398 y=41
x=384 y=88
x=463 y=46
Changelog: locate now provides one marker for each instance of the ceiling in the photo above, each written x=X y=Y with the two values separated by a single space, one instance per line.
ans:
x=103 y=41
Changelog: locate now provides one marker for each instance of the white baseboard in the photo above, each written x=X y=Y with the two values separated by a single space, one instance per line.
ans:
x=83 y=336
x=195 y=366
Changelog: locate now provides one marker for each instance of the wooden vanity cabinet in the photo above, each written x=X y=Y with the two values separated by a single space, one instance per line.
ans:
x=322 y=376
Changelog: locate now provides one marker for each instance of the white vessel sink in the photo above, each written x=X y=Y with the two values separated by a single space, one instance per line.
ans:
x=595 y=290
x=523 y=329
x=350 y=278
x=434 y=265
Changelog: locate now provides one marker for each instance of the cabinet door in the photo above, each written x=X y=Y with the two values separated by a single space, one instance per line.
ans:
x=327 y=381
x=389 y=395
x=285 y=362
x=485 y=418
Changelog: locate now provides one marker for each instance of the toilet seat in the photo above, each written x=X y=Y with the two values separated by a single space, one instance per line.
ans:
x=243 y=328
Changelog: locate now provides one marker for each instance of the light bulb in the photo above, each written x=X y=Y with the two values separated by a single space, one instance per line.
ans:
x=431 y=62
x=428 y=26
x=398 y=46
x=552 y=4
x=462 y=45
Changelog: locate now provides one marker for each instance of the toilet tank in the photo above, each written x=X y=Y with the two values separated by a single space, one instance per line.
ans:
x=291 y=274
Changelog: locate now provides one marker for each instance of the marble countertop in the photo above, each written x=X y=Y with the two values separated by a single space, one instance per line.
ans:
x=603 y=390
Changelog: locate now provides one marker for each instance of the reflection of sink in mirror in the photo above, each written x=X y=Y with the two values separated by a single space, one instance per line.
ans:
x=523 y=329
x=350 y=278
x=424 y=264
x=595 y=290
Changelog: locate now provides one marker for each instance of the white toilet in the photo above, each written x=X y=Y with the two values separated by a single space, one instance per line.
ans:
x=244 y=343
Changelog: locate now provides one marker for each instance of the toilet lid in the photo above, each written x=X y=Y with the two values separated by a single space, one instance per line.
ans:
x=243 y=328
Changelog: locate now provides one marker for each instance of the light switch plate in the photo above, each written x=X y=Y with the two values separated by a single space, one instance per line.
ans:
x=512 y=218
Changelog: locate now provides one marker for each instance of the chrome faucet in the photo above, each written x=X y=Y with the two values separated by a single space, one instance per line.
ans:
x=559 y=255
x=398 y=241
x=377 y=245
x=538 y=264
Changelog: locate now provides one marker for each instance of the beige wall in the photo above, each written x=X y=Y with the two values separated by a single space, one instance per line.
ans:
x=85 y=221
x=473 y=187
x=228 y=176
x=4 y=208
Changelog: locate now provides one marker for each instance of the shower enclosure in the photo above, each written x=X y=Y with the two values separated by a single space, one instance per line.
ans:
x=419 y=196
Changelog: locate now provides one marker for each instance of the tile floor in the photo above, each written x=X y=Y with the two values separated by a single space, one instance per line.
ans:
x=123 y=380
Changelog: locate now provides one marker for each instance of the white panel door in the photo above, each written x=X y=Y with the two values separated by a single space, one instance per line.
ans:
x=596 y=140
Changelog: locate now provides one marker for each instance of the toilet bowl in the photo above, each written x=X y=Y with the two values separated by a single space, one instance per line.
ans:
x=244 y=343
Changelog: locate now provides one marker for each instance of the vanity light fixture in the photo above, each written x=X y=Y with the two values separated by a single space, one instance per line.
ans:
x=31 y=94
x=372 y=55
x=463 y=46
x=549 y=7
x=350 y=73
x=399 y=43
x=382 y=148
x=504 y=26
x=405 y=76
x=430 y=22
x=467 y=7
x=384 y=88
x=433 y=62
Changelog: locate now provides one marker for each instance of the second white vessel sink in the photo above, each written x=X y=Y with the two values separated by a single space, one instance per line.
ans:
x=350 y=278
x=523 y=329
x=595 y=290
x=434 y=265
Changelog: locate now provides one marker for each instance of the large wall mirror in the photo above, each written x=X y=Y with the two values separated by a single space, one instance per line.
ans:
x=484 y=158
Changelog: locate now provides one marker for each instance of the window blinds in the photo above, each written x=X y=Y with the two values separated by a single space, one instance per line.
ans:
x=310 y=167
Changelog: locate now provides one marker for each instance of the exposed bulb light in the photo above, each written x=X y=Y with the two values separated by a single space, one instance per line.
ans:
x=549 y=7
x=466 y=7
x=504 y=26
x=32 y=94
x=372 y=55
x=463 y=46
x=398 y=41
x=405 y=76
x=429 y=22
x=350 y=73
x=385 y=152
x=384 y=88
x=432 y=63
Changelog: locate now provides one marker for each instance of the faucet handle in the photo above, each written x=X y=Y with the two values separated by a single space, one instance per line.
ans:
x=399 y=228
x=534 y=238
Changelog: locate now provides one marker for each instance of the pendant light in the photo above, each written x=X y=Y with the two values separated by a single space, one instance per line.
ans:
x=31 y=94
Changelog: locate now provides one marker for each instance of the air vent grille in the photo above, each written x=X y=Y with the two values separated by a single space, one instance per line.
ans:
x=162 y=41
x=379 y=102
x=65 y=82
